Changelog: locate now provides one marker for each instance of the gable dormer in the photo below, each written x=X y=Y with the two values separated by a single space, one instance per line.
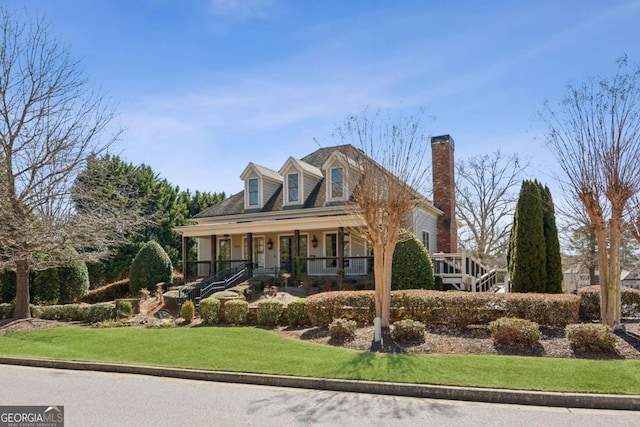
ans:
x=300 y=178
x=336 y=174
x=260 y=184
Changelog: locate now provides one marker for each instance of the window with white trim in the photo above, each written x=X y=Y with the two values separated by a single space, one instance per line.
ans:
x=293 y=187
x=337 y=183
x=253 y=192
x=425 y=240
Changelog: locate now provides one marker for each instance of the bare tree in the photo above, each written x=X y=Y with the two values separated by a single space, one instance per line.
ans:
x=385 y=179
x=487 y=190
x=50 y=121
x=595 y=136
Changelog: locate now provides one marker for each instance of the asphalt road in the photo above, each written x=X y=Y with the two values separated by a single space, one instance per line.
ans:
x=108 y=399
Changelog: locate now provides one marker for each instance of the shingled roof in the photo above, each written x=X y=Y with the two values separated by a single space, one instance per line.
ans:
x=234 y=205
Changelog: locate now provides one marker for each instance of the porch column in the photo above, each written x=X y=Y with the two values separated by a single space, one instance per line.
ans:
x=185 y=253
x=250 y=253
x=295 y=251
x=341 y=248
x=214 y=254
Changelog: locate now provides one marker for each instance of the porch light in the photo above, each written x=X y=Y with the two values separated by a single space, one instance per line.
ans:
x=270 y=244
x=314 y=242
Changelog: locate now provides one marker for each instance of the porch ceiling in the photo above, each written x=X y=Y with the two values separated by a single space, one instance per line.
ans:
x=272 y=225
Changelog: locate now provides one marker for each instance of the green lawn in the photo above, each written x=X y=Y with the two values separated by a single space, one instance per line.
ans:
x=262 y=351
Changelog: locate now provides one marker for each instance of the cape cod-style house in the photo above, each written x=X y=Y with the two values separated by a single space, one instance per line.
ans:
x=295 y=217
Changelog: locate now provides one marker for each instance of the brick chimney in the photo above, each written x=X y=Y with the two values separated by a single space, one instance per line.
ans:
x=444 y=192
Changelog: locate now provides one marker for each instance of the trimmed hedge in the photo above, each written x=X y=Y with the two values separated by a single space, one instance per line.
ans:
x=188 y=311
x=590 y=302
x=407 y=330
x=515 y=332
x=236 y=311
x=591 y=337
x=110 y=292
x=210 y=310
x=457 y=309
x=358 y=306
x=269 y=311
x=297 y=312
x=342 y=329
x=74 y=312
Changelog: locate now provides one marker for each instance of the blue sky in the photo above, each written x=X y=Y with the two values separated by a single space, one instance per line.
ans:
x=202 y=87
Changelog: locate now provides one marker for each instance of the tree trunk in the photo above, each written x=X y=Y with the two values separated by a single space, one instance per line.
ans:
x=22 y=310
x=386 y=289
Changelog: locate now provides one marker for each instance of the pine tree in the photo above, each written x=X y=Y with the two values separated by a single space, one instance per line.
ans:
x=527 y=249
x=552 y=243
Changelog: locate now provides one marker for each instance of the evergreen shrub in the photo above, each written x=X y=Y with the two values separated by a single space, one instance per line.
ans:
x=515 y=332
x=297 y=312
x=592 y=338
x=342 y=329
x=188 y=311
x=407 y=330
x=236 y=311
x=412 y=264
x=210 y=310
x=269 y=311
x=151 y=265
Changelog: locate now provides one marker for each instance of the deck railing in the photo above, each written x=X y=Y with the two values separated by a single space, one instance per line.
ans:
x=464 y=273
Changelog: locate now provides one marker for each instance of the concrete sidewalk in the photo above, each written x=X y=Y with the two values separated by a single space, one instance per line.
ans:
x=565 y=400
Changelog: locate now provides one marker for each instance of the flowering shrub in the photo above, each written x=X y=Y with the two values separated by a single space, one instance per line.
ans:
x=236 y=311
x=514 y=331
x=210 y=310
x=297 y=312
x=591 y=337
x=269 y=311
x=342 y=329
x=407 y=330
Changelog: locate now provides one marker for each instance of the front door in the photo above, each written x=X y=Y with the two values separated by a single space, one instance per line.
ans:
x=287 y=257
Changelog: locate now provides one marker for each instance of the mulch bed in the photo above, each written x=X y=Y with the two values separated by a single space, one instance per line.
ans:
x=441 y=339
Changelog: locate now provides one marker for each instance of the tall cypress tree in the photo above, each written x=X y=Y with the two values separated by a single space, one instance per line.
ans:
x=527 y=249
x=552 y=243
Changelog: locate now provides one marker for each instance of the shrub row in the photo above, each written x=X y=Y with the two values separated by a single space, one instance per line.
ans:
x=74 y=312
x=590 y=302
x=455 y=308
x=110 y=292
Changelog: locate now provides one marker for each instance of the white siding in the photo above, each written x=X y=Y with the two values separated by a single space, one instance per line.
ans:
x=423 y=221
x=204 y=254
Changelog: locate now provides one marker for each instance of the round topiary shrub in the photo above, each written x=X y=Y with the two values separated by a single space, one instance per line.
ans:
x=150 y=266
x=407 y=330
x=412 y=265
x=269 y=311
x=210 y=310
x=236 y=311
x=342 y=329
x=297 y=312
x=592 y=338
x=188 y=311
x=515 y=332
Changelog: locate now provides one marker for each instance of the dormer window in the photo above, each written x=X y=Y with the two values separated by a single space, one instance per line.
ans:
x=293 y=187
x=337 y=183
x=253 y=192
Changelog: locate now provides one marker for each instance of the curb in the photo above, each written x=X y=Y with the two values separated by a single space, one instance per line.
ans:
x=487 y=395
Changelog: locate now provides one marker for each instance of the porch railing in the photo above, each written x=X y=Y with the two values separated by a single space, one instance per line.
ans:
x=464 y=273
